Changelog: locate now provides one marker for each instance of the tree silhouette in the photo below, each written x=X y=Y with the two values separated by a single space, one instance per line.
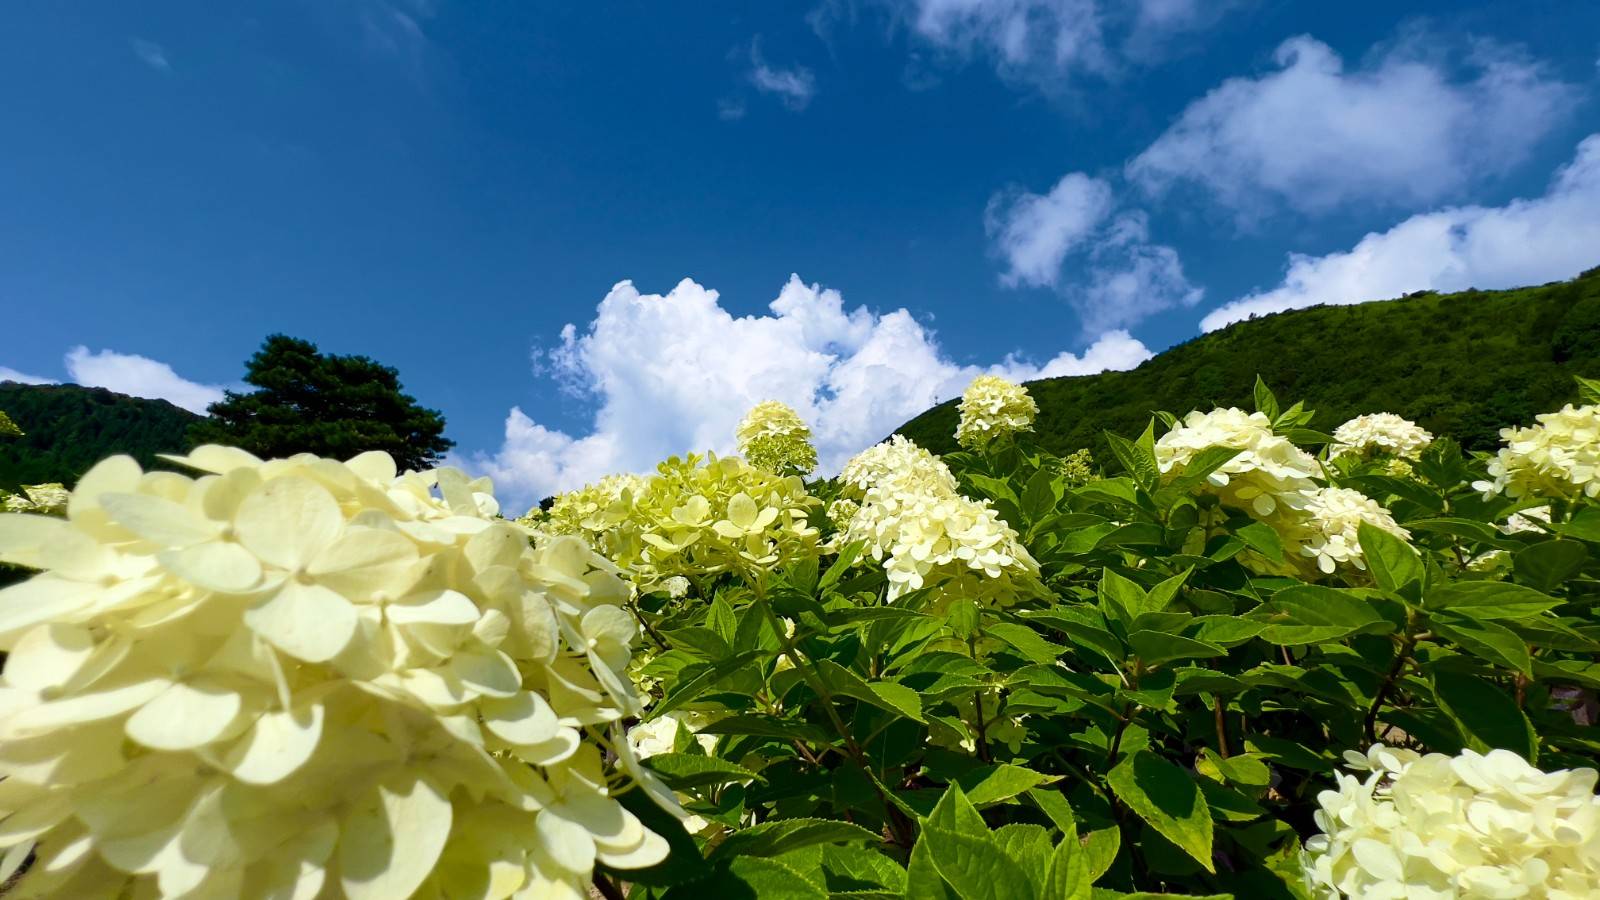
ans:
x=311 y=402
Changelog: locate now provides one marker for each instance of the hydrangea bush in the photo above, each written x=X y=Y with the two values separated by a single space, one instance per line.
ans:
x=1232 y=658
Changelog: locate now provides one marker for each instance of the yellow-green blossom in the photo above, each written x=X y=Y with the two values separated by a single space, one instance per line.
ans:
x=305 y=677
x=993 y=408
x=49 y=499
x=773 y=438
x=1558 y=458
x=8 y=428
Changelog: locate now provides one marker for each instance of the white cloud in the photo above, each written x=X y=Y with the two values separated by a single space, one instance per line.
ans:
x=151 y=54
x=1044 y=43
x=1398 y=131
x=675 y=373
x=9 y=374
x=1122 y=277
x=1033 y=233
x=794 y=87
x=138 y=376
x=1524 y=242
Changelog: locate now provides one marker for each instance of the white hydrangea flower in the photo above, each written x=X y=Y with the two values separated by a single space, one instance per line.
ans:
x=1557 y=458
x=925 y=532
x=993 y=408
x=1527 y=521
x=773 y=438
x=1483 y=827
x=1328 y=525
x=1268 y=473
x=303 y=677
x=1384 y=434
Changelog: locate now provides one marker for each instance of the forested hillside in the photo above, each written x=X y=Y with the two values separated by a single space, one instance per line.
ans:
x=67 y=429
x=1464 y=364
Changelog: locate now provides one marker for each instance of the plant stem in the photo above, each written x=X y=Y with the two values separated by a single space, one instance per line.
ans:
x=649 y=629
x=1222 y=725
x=1408 y=643
x=606 y=888
x=983 y=739
x=898 y=826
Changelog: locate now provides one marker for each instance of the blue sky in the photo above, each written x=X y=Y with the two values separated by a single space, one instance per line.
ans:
x=1026 y=186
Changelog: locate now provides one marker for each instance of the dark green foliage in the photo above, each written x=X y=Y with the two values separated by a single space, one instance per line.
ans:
x=336 y=406
x=67 y=429
x=1464 y=364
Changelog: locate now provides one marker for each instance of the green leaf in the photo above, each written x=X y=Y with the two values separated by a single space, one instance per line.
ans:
x=720 y=619
x=1263 y=539
x=848 y=554
x=887 y=696
x=900 y=698
x=1155 y=647
x=682 y=771
x=1100 y=848
x=1041 y=495
x=922 y=876
x=1482 y=532
x=1168 y=798
x=1588 y=389
x=1393 y=563
x=1487 y=640
x=1025 y=640
x=1266 y=403
x=860 y=866
x=954 y=812
x=1546 y=565
x=1311 y=614
x=702 y=681
x=996 y=488
x=987 y=786
x=1068 y=877
x=769 y=726
x=975 y=867
x=1055 y=806
x=1490 y=600
x=784 y=835
x=1488 y=718
x=751 y=878
x=1584 y=525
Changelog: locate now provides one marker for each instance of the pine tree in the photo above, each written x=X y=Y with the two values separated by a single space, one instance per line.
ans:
x=311 y=402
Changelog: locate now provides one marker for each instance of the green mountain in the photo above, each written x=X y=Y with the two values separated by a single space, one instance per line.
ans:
x=68 y=428
x=1465 y=364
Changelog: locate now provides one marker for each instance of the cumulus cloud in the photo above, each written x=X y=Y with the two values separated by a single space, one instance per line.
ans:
x=139 y=376
x=9 y=374
x=674 y=373
x=1044 y=43
x=794 y=86
x=1526 y=241
x=1400 y=130
x=1121 y=276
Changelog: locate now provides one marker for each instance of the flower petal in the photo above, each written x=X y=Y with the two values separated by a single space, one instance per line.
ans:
x=185 y=716
x=306 y=621
x=215 y=566
x=288 y=521
x=278 y=744
x=392 y=839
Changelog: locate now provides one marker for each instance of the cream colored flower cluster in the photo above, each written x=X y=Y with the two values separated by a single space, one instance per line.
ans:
x=1269 y=472
x=594 y=509
x=1381 y=434
x=1486 y=827
x=993 y=408
x=49 y=499
x=1077 y=467
x=308 y=678
x=8 y=428
x=773 y=438
x=696 y=516
x=1557 y=458
x=1328 y=525
x=926 y=533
